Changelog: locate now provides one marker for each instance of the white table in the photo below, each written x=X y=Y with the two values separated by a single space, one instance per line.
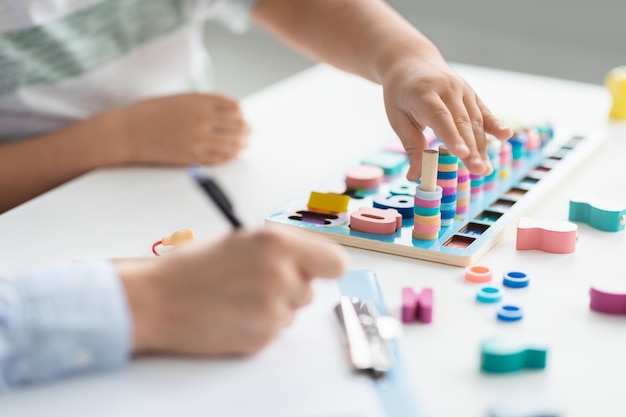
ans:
x=303 y=130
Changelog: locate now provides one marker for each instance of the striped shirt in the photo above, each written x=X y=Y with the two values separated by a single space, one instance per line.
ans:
x=64 y=60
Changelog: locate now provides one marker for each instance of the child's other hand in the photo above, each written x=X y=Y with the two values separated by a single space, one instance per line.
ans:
x=183 y=129
x=424 y=91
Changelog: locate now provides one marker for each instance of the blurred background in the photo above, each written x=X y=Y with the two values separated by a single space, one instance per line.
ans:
x=572 y=39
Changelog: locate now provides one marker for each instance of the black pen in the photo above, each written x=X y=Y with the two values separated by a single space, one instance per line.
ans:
x=216 y=194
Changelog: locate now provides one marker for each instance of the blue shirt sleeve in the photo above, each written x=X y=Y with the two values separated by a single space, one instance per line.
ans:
x=62 y=320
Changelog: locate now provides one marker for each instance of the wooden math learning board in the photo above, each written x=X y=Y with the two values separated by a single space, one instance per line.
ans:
x=454 y=223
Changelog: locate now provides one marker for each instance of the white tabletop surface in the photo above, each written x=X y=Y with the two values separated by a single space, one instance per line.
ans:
x=306 y=129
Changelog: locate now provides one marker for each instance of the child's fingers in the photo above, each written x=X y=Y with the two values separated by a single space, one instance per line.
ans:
x=465 y=122
x=491 y=122
x=440 y=118
x=478 y=128
x=413 y=140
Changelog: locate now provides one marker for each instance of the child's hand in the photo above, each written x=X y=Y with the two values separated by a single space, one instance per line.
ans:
x=425 y=91
x=183 y=129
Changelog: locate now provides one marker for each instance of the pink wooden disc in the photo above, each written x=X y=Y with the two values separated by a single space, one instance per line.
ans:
x=364 y=177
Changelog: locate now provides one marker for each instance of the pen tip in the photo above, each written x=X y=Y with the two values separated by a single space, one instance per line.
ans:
x=195 y=172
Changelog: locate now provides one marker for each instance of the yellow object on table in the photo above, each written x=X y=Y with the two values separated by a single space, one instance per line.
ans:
x=616 y=84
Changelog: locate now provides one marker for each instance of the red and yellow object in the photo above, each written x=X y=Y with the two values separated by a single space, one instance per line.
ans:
x=175 y=239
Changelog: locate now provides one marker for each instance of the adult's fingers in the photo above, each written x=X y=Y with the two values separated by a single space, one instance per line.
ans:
x=233 y=126
x=302 y=296
x=219 y=102
x=317 y=257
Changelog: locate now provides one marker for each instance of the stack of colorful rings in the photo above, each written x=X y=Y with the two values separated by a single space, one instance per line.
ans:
x=493 y=150
x=447 y=173
x=517 y=149
x=427 y=202
x=477 y=183
x=505 y=159
x=533 y=140
x=546 y=133
x=462 y=190
x=427 y=214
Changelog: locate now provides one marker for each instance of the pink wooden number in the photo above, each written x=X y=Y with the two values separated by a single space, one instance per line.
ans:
x=375 y=220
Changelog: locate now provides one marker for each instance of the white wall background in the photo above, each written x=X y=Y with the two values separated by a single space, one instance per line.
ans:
x=572 y=39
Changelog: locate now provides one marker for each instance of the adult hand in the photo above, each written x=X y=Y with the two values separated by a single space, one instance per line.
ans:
x=227 y=298
x=184 y=129
x=423 y=91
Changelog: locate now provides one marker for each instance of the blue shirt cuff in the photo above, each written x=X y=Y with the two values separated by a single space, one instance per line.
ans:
x=62 y=320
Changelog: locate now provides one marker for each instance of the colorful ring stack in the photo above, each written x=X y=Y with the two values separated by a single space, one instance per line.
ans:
x=477 y=183
x=462 y=190
x=427 y=218
x=546 y=133
x=533 y=140
x=493 y=150
x=447 y=176
x=505 y=159
x=517 y=149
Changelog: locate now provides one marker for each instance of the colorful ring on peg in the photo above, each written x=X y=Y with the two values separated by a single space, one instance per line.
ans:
x=429 y=195
x=447 y=175
x=447 y=168
x=447 y=183
x=489 y=294
x=447 y=159
x=426 y=211
x=478 y=273
x=510 y=312
x=448 y=198
x=515 y=279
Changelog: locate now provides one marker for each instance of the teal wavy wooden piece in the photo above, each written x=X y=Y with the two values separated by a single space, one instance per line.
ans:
x=604 y=215
x=506 y=355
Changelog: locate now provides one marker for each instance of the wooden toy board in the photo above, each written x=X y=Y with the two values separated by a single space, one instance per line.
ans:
x=468 y=238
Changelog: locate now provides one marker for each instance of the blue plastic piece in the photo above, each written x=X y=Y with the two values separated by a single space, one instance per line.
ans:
x=489 y=294
x=404 y=204
x=515 y=279
x=510 y=312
